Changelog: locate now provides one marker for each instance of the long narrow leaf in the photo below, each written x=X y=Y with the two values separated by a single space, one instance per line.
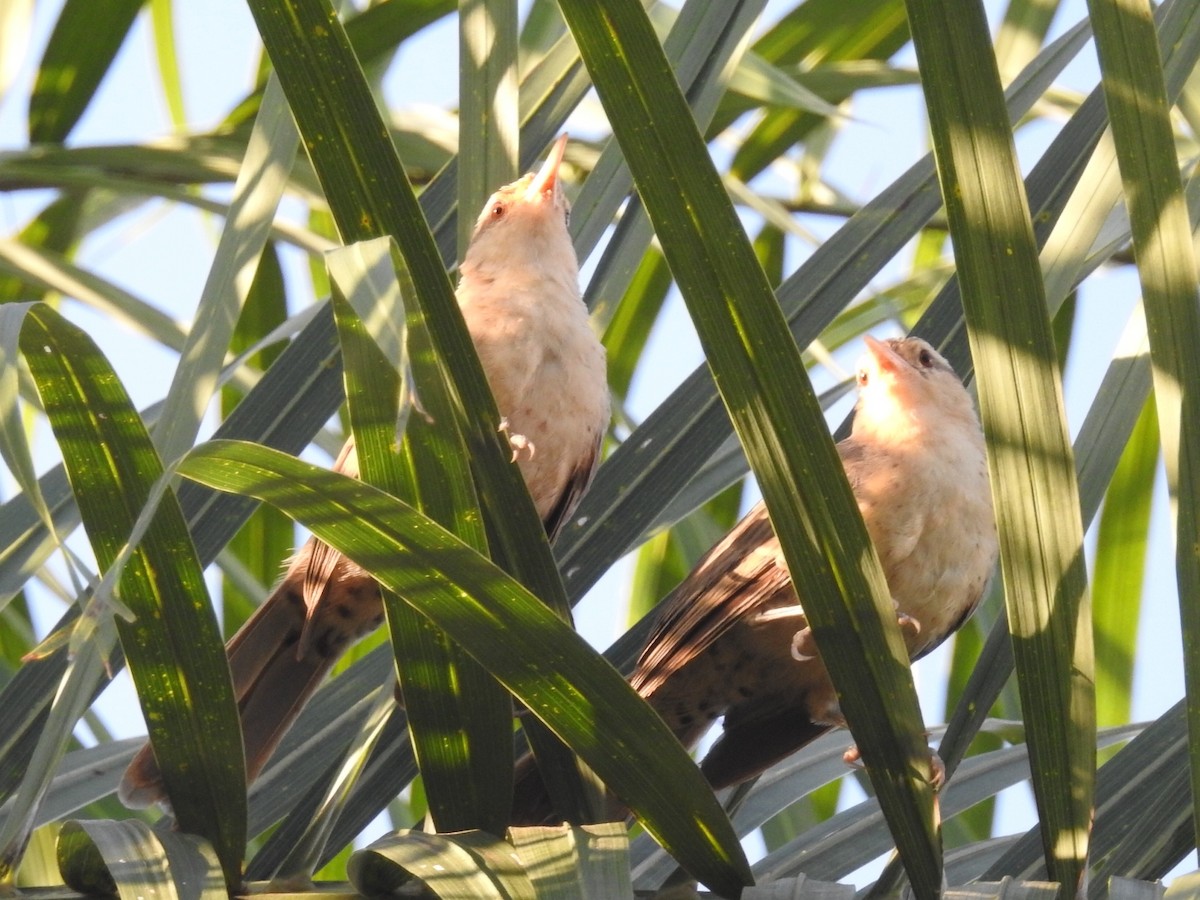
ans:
x=86 y=38
x=163 y=18
x=270 y=154
x=529 y=649
x=293 y=399
x=766 y=390
x=468 y=864
x=1134 y=89
x=458 y=715
x=1020 y=398
x=130 y=860
x=173 y=645
x=1121 y=545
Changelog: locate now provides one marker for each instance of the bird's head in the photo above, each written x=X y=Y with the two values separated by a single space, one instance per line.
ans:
x=524 y=224
x=906 y=386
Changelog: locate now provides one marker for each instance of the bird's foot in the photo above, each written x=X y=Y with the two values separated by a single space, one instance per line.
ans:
x=909 y=627
x=804 y=646
x=937 y=778
x=518 y=442
x=938 y=768
x=852 y=757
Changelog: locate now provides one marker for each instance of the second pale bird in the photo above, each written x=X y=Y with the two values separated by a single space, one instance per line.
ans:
x=519 y=294
x=732 y=641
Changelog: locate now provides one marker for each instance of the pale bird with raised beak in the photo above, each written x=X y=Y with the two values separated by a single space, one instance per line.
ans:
x=732 y=641
x=519 y=294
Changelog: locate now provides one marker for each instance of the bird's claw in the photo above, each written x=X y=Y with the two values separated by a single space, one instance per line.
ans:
x=804 y=645
x=852 y=757
x=938 y=768
x=907 y=623
x=518 y=442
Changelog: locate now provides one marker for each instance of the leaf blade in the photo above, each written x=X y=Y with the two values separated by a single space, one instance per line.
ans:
x=525 y=645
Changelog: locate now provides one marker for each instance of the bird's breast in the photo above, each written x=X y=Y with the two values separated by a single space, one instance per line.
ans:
x=934 y=531
x=546 y=369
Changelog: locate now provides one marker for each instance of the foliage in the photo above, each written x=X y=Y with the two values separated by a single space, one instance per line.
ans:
x=771 y=99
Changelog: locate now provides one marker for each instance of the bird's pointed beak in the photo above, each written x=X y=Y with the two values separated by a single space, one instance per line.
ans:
x=546 y=178
x=884 y=357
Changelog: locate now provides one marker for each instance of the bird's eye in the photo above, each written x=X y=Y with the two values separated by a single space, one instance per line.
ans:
x=925 y=358
x=862 y=378
x=498 y=211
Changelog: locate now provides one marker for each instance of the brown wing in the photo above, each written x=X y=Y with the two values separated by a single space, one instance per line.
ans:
x=322 y=560
x=573 y=490
x=744 y=571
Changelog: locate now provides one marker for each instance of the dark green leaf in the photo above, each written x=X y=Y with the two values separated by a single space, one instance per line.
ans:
x=85 y=40
x=528 y=648
x=1136 y=94
x=775 y=412
x=173 y=645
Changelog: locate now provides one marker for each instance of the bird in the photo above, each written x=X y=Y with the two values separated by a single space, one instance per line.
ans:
x=519 y=294
x=731 y=641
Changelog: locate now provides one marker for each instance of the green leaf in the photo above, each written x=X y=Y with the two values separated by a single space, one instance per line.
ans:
x=775 y=412
x=84 y=777
x=627 y=332
x=291 y=401
x=812 y=32
x=374 y=32
x=131 y=861
x=764 y=83
x=268 y=535
x=1121 y=544
x=173 y=644
x=162 y=15
x=1021 y=33
x=588 y=862
x=1143 y=811
x=466 y=864
x=90 y=643
x=528 y=648
x=1136 y=94
x=704 y=43
x=84 y=43
x=1020 y=400
x=50 y=271
x=261 y=181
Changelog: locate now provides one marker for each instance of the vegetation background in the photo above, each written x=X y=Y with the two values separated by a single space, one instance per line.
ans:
x=125 y=130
